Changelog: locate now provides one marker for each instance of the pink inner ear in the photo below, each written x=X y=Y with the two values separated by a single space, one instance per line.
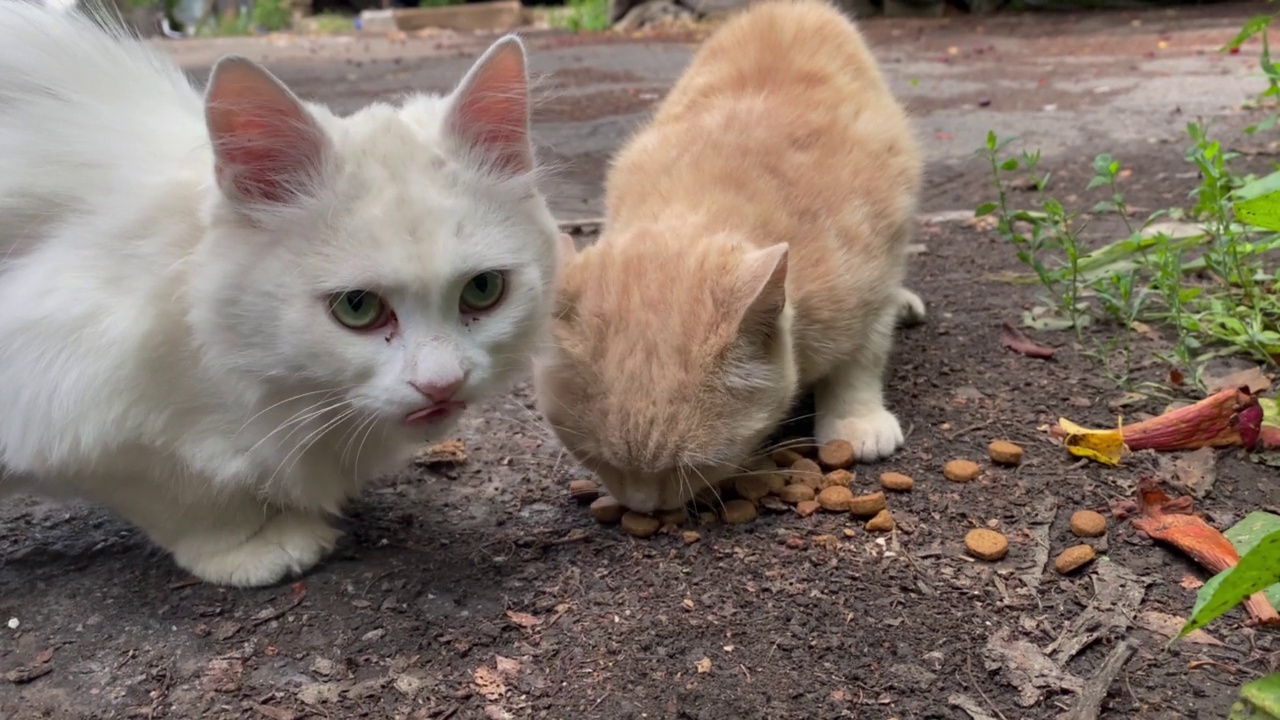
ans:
x=491 y=110
x=266 y=144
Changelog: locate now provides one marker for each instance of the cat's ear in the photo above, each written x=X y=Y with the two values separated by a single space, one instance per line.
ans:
x=765 y=282
x=489 y=111
x=268 y=149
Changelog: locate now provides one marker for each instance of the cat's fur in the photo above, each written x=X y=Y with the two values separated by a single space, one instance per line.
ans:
x=169 y=260
x=754 y=245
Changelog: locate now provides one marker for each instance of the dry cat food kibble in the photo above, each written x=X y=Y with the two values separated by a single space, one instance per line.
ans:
x=807 y=472
x=738 y=511
x=835 y=498
x=584 y=491
x=1003 y=452
x=679 y=516
x=796 y=493
x=837 y=478
x=882 y=522
x=786 y=458
x=896 y=482
x=961 y=471
x=986 y=544
x=606 y=510
x=1073 y=558
x=641 y=526
x=1087 y=523
x=752 y=487
x=867 y=505
x=836 y=455
x=805 y=508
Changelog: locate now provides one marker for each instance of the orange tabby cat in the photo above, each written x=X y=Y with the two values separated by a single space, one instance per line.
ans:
x=754 y=245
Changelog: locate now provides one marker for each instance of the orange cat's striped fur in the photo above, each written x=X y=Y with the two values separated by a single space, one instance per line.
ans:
x=754 y=246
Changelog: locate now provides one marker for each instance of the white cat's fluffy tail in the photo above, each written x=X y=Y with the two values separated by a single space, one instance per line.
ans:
x=84 y=108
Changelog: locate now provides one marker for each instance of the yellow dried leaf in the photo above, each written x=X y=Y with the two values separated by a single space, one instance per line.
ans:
x=703 y=665
x=1104 y=446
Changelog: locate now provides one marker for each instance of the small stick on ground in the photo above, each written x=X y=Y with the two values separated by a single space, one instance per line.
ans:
x=1089 y=702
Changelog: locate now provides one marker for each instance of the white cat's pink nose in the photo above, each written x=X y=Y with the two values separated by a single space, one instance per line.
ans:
x=440 y=392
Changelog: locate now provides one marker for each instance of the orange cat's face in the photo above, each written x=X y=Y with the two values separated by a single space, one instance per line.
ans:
x=670 y=363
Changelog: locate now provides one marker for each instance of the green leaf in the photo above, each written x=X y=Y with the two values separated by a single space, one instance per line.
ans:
x=1097 y=181
x=985 y=209
x=1010 y=164
x=1263 y=212
x=1259 y=700
x=1257 y=570
x=1251 y=28
x=991 y=139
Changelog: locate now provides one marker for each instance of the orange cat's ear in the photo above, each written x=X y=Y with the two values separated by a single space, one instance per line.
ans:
x=489 y=112
x=765 y=278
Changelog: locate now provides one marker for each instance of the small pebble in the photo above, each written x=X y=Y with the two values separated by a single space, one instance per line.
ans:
x=796 y=493
x=837 y=478
x=1087 y=523
x=738 y=511
x=848 y=532
x=679 y=516
x=896 y=482
x=606 y=510
x=836 y=455
x=805 y=508
x=835 y=498
x=795 y=542
x=882 y=522
x=786 y=458
x=641 y=526
x=584 y=491
x=828 y=541
x=867 y=505
x=690 y=537
x=807 y=471
x=1073 y=558
x=961 y=471
x=1003 y=452
x=752 y=487
x=986 y=544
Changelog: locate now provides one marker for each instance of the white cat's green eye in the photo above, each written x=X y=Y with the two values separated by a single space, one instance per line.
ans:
x=483 y=291
x=358 y=309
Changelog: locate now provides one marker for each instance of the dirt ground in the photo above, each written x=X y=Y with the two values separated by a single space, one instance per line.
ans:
x=479 y=589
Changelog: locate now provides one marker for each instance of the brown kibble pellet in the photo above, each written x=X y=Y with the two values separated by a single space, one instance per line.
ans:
x=752 y=487
x=837 y=478
x=882 y=522
x=786 y=458
x=805 y=508
x=1087 y=523
x=708 y=518
x=961 y=471
x=775 y=481
x=1073 y=558
x=836 y=455
x=738 y=511
x=796 y=493
x=807 y=471
x=690 y=537
x=986 y=544
x=835 y=498
x=606 y=510
x=679 y=516
x=1003 y=452
x=896 y=482
x=584 y=491
x=867 y=505
x=641 y=526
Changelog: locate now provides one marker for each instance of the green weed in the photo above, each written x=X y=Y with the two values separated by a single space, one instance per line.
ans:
x=582 y=15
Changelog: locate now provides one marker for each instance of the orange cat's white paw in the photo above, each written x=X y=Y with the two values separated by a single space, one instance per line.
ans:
x=910 y=308
x=874 y=435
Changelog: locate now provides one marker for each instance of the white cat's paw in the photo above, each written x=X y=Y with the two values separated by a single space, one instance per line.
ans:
x=287 y=545
x=874 y=435
x=911 y=309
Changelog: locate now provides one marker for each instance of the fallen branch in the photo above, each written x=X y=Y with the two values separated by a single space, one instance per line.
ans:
x=1089 y=702
x=1170 y=520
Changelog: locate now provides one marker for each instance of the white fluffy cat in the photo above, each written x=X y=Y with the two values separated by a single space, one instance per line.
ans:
x=222 y=313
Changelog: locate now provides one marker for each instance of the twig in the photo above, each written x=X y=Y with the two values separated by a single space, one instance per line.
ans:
x=298 y=596
x=1089 y=702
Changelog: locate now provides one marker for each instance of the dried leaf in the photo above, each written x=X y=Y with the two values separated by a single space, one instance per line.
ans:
x=1017 y=341
x=507 y=667
x=1104 y=446
x=488 y=683
x=523 y=619
x=1168 y=626
x=703 y=665
x=1253 y=378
